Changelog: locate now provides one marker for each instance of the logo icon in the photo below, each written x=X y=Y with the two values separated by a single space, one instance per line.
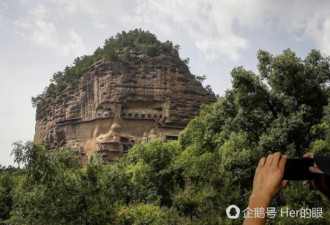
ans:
x=232 y=212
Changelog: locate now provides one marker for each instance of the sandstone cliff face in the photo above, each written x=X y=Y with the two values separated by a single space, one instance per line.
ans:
x=116 y=104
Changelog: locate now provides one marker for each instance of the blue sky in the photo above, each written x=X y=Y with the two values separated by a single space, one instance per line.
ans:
x=39 y=38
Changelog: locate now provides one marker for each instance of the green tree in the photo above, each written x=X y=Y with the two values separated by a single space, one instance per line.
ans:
x=282 y=109
x=7 y=183
x=141 y=214
x=151 y=171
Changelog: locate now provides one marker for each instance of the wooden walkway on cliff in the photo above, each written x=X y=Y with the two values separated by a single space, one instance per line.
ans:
x=78 y=120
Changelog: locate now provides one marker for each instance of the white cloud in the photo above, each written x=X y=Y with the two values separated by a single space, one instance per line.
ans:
x=100 y=25
x=3 y=7
x=325 y=36
x=45 y=34
x=208 y=23
x=94 y=8
x=102 y=13
x=307 y=21
x=77 y=44
x=314 y=27
x=304 y=20
x=40 y=11
x=212 y=25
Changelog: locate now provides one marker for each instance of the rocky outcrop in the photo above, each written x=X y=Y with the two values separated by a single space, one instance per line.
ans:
x=116 y=104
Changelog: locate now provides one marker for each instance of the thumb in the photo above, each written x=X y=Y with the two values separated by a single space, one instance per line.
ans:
x=284 y=183
x=314 y=169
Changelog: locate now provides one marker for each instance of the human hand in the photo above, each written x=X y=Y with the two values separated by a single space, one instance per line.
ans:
x=313 y=169
x=268 y=176
x=266 y=183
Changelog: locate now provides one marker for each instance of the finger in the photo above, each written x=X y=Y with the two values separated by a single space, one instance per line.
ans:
x=315 y=170
x=284 y=183
x=305 y=182
x=262 y=162
x=308 y=155
x=276 y=158
x=269 y=160
x=282 y=162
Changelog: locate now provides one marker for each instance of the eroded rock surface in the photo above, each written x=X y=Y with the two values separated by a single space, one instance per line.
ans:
x=116 y=104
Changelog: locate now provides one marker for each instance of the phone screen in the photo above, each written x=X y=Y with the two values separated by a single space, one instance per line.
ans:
x=298 y=169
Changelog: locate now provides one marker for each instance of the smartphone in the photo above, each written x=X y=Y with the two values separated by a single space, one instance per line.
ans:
x=298 y=169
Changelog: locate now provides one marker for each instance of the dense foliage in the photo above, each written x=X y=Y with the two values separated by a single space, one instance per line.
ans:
x=193 y=180
x=116 y=48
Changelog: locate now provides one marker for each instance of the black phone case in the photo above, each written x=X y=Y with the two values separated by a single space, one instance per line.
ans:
x=298 y=169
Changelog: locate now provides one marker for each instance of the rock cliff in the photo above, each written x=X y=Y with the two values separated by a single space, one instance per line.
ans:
x=116 y=104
